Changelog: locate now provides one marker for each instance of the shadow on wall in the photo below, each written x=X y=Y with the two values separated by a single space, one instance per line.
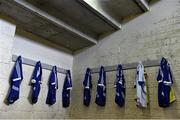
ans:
x=152 y=2
x=9 y=89
x=40 y=40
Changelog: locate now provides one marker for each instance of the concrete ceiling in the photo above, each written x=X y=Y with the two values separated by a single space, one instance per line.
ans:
x=75 y=15
x=73 y=24
x=117 y=9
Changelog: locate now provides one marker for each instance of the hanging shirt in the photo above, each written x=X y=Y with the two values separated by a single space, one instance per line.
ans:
x=16 y=78
x=36 y=81
x=120 y=87
x=165 y=82
x=53 y=86
x=66 y=90
x=87 y=87
x=141 y=89
x=101 y=88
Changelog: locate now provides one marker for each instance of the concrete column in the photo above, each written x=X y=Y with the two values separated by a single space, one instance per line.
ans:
x=7 y=32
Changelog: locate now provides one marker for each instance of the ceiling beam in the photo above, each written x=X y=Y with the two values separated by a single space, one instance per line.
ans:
x=51 y=19
x=108 y=19
x=143 y=4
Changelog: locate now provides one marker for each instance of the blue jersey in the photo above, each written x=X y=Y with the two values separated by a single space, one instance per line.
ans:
x=120 y=87
x=53 y=86
x=165 y=82
x=87 y=87
x=36 y=82
x=66 y=90
x=16 y=78
x=101 y=88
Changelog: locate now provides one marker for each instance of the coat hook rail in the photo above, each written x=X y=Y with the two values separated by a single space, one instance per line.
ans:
x=147 y=63
x=30 y=62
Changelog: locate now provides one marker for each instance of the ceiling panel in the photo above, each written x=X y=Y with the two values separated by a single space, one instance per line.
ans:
x=72 y=24
x=76 y=15
x=117 y=9
x=43 y=28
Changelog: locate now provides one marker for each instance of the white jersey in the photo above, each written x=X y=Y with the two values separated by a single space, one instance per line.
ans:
x=141 y=89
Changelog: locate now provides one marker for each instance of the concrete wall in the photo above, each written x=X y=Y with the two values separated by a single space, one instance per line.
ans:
x=150 y=36
x=18 y=42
